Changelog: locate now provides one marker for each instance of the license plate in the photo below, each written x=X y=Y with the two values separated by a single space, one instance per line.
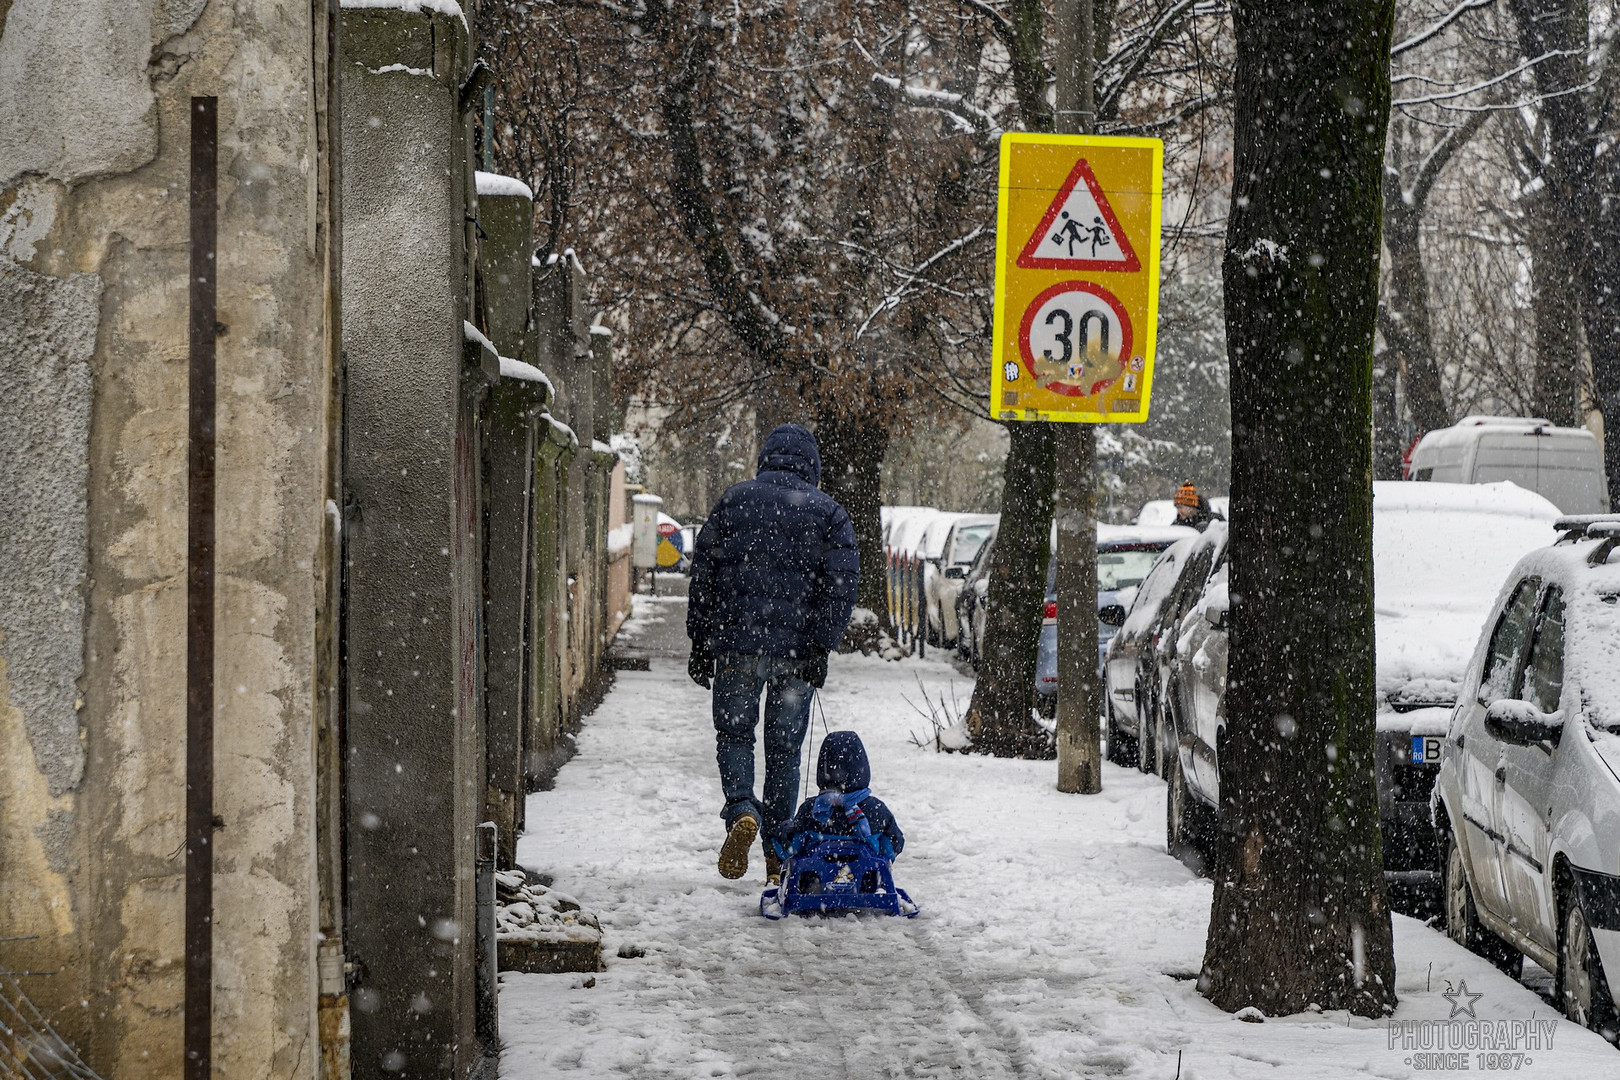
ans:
x=1425 y=749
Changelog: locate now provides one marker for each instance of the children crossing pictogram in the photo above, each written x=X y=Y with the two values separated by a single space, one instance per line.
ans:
x=1079 y=230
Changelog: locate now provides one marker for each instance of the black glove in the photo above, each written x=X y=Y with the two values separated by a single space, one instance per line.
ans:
x=701 y=665
x=815 y=667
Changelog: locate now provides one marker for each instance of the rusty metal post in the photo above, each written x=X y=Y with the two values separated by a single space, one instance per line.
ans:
x=199 y=905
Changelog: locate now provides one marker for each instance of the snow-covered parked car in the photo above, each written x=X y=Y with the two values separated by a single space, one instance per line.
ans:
x=1130 y=674
x=903 y=534
x=1125 y=554
x=966 y=536
x=1440 y=552
x=970 y=603
x=1527 y=807
x=929 y=550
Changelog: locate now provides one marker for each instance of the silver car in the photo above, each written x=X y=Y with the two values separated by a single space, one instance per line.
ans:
x=1527 y=805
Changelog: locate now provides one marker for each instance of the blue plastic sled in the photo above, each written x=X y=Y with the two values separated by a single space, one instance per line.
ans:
x=837 y=874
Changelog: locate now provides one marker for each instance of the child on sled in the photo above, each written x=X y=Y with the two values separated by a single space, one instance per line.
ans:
x=845 y=806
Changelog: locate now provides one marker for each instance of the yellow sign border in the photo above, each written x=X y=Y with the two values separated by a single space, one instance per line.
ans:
x=1150 y=267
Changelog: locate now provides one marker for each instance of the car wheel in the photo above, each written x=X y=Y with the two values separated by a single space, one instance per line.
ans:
x=1187 y=824
x=1582 y=987
x=1122 y=749
x=1462 y=918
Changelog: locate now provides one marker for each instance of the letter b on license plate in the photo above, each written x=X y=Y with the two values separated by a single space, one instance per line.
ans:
x=1425 y=749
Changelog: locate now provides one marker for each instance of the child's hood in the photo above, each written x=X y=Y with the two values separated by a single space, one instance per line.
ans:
x=842 y=764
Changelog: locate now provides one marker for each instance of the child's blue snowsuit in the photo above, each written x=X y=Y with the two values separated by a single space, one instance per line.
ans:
x=846 y=806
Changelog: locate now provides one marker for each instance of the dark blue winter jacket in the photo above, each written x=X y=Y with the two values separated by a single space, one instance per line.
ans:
x=842 y=766
x=774 y=569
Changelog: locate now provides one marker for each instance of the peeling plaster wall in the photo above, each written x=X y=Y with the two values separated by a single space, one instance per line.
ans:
x=47 y=336
x=93 y=383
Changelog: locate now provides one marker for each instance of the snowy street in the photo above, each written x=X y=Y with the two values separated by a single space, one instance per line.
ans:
x=1057 y=939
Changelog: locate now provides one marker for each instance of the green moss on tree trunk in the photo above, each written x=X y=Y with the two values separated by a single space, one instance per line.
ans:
x=1299 y=915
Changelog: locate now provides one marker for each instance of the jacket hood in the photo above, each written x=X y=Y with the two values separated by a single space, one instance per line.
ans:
x=842 y=763
x=791 y=448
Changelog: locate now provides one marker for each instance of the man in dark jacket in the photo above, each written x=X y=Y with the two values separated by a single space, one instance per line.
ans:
x=773 y=584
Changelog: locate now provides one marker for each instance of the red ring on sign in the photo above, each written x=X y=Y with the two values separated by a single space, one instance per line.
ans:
x=1028 y=321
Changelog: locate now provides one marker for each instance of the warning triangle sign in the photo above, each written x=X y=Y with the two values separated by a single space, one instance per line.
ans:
x=1079 y=231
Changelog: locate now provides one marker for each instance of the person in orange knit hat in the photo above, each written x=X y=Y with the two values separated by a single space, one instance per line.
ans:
x=1192 y=509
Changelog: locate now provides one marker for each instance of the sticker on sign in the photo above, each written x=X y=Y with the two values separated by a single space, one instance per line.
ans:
x=1074 y=338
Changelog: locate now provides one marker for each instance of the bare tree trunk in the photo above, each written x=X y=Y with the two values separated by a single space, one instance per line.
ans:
x=852 y=452
x=999 y=714
x=1299 y=915
x=1553 y=296
x=1388 y=446
x=1578 y=194
x=1406 y=316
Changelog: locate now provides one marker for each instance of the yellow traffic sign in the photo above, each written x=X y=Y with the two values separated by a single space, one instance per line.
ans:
x=1077 y=277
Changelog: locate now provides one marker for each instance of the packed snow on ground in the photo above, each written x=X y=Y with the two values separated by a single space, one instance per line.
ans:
x=1057 y=939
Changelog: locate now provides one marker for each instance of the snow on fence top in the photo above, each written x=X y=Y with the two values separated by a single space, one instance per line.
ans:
x=563 y=431
x=567 y=253
x=495 y=184
x=517 y=369
x=390 y=69
x=414 y=7
x=471 y=333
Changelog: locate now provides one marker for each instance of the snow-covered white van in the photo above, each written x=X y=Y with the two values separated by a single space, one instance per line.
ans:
x=1563 y=465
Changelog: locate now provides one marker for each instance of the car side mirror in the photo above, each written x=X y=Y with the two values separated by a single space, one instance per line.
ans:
x=1521 y=723
x=956 y=573
x=1111 y=615
x=1216 y=616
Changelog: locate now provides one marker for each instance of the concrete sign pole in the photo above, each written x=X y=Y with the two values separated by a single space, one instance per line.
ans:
x=1078 y=711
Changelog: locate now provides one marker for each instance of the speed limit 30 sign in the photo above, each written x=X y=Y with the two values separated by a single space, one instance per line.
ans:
x=1077 y=277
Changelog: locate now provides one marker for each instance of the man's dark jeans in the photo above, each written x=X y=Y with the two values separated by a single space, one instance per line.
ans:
x=738 y=681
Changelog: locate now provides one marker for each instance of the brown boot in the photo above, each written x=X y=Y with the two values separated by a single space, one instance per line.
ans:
x=773 y=867
x=734 y=852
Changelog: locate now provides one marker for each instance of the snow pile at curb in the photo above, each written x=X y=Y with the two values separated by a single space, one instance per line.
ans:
x=868 y=636
x=534 y=914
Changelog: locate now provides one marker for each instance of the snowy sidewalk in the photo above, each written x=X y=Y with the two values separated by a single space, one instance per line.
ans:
x=1057 y=939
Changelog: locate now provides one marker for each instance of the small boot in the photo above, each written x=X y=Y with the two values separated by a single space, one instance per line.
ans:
x=773 y=866
x=739 y=838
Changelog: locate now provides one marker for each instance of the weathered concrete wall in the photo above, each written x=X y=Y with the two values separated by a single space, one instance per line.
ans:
x=94 y=126
x=620 y=573
x=543 y=745
x=411 y=606
x=564 y=355
x=505 y=208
